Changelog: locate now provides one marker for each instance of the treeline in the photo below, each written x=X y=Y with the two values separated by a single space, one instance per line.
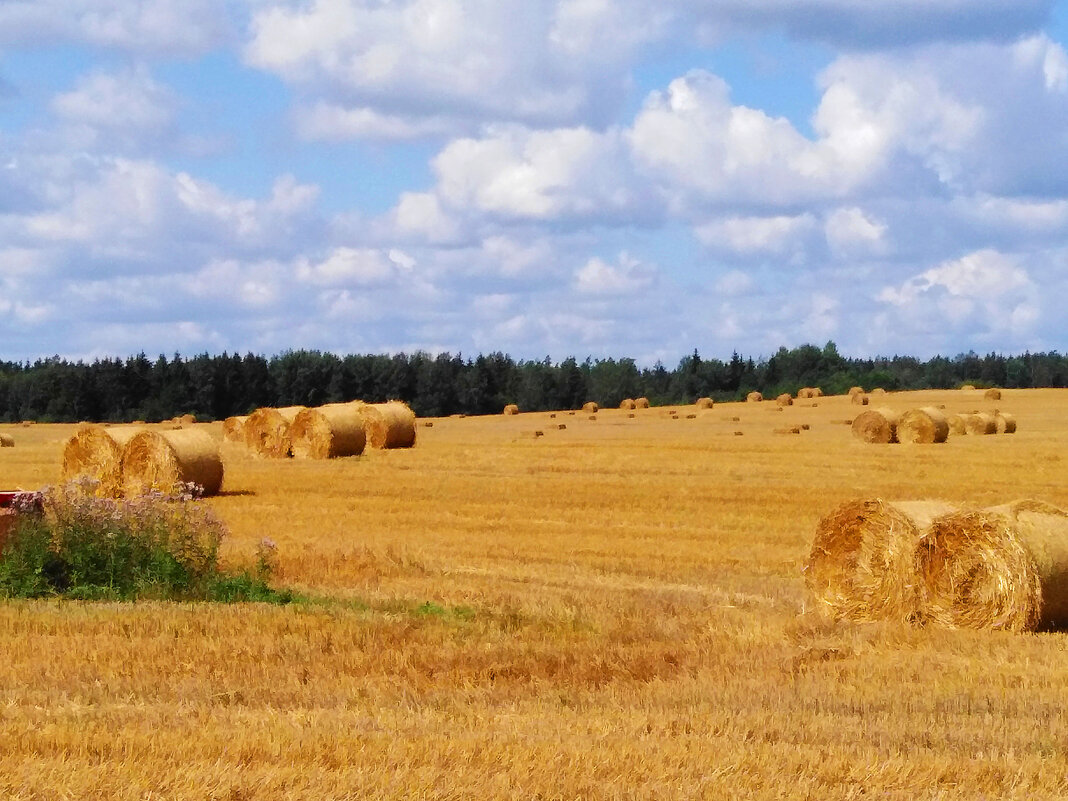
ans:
x=215 y=387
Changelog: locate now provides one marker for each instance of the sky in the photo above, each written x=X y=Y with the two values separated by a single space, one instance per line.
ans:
x=605 y=178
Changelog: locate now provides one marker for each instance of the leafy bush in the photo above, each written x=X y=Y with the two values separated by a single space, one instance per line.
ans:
x=69 y=543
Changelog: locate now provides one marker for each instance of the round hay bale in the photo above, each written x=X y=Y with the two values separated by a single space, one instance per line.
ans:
x=185 y=419
x=628 y=404
x=967 y=387
x=809 y=392
x=1004 y=423
x=876 y=426
x=785 y=399
x=877 y=391
x=992 y=394
x=1000 y=568
x=96 y=452
x=980 y=423
x=28 y=423
x=754 y=397
x=925 y=425
x=859 y=399
x=861 y=567
x=267 y=431
x=510 y=409
x=328 y=432
x=705 y=403
x=7 y=441
x=641 y=403
x=389 y=425
x=234 y=428
x=855 y=391
x=163 y=461
x=590 y=407
x=957 y=424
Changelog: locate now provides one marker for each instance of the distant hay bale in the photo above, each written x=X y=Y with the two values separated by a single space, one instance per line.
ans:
x=855 y=391
x=862 y=566
x=957 y=424
x=980 y=423
x=428 y=424
x=845 y=421
x=389 y=425
x=510 y=409
x=331 y=431
x=590 y=407
x=163 y=461
x=641 y=403
x=28 y=423
x=96 y=452
x=754 y=397
x=992 y=394
x=925 y=425
x=793 y=430
x=809 y=392
x=1000 y=568
x=705 y=403
x=7 y=441
x=185 y=419
x=592 y=417
x=628 y=404
x=731 y=419
x=234 y=428
x=859 y=399
x=739 y=433
x=691 y=416
x=267 y=431
x=785 y=399
x=561 y=426
x=877 y=391
x=805 y=426
x=877 y=426
x=1004 y=423
x=967 y=387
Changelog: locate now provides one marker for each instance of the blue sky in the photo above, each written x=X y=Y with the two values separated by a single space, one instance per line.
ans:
x=546 y=177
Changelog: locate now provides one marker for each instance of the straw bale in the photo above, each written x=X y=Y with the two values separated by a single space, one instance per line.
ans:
x=805 y=426
x=96 y=452
x=1005 y=567
x=234 y=428
x=992 y=394
x=754 y=397
x=876 y=426
x=732 y=419
x=859 y=399
x=855 y=391
x=592 y=417
x=162 y=461
x=967 y=387
x=328 y=432
x=511 y=408
x=704 y=403
x=739 y=433
x=561 y=426
x=28 y=423
x=185 y=419
x=957 y=424
x=641 y=403
x=691 y=416
x=980 y=423
x=7 y=441
x=627 y=404
x=631 y=416
x=925 y=425
x=862 y=566
x=267 y=431
x=1005 y=423
x=428 y=424
x=845 y=421
x=785 y=399
x=793 y=430
x=810 y=392
x=590 y=407
x=389 y=425
x=878 y=391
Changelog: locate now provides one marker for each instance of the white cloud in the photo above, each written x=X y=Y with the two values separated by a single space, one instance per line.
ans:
x=333 y=123
x=347 y=266
x=850 y=231
x=630 y=276
x=748 y=235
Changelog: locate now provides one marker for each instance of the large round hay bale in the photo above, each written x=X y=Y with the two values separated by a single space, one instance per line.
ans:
x=855 y=391
x=705 y=403
x=754 y=397
x=967 y=387
x=510 y=409
x=1000 y=568
x=328 y=432
x=628 y=404
x=925 y=425
x=267 y=431
x=785 y=399
x=877 y=391
x=1004 y=423
x=992 y=394
x=234 y=428
x=957 y=424
x=590 y=407
x=809 y=392
x=167 y=461
x=876 y=426
x=184 y=420
x=980 y=423
x=861 y=566
x=641 y=403
x=7 y=441
x=859 y=399
x=96 y=452
x=389 y=425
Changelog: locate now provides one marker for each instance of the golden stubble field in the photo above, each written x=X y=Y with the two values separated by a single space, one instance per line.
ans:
x=611 y=610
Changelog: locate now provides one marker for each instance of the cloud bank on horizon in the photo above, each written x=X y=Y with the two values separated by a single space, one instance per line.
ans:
x=561 y=177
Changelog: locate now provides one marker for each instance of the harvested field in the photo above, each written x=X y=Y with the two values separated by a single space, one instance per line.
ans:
x=609 y=611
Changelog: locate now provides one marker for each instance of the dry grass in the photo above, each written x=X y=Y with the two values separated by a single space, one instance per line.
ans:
x=589 y=635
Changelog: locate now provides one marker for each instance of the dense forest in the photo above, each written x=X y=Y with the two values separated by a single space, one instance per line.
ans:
x=214 y=387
